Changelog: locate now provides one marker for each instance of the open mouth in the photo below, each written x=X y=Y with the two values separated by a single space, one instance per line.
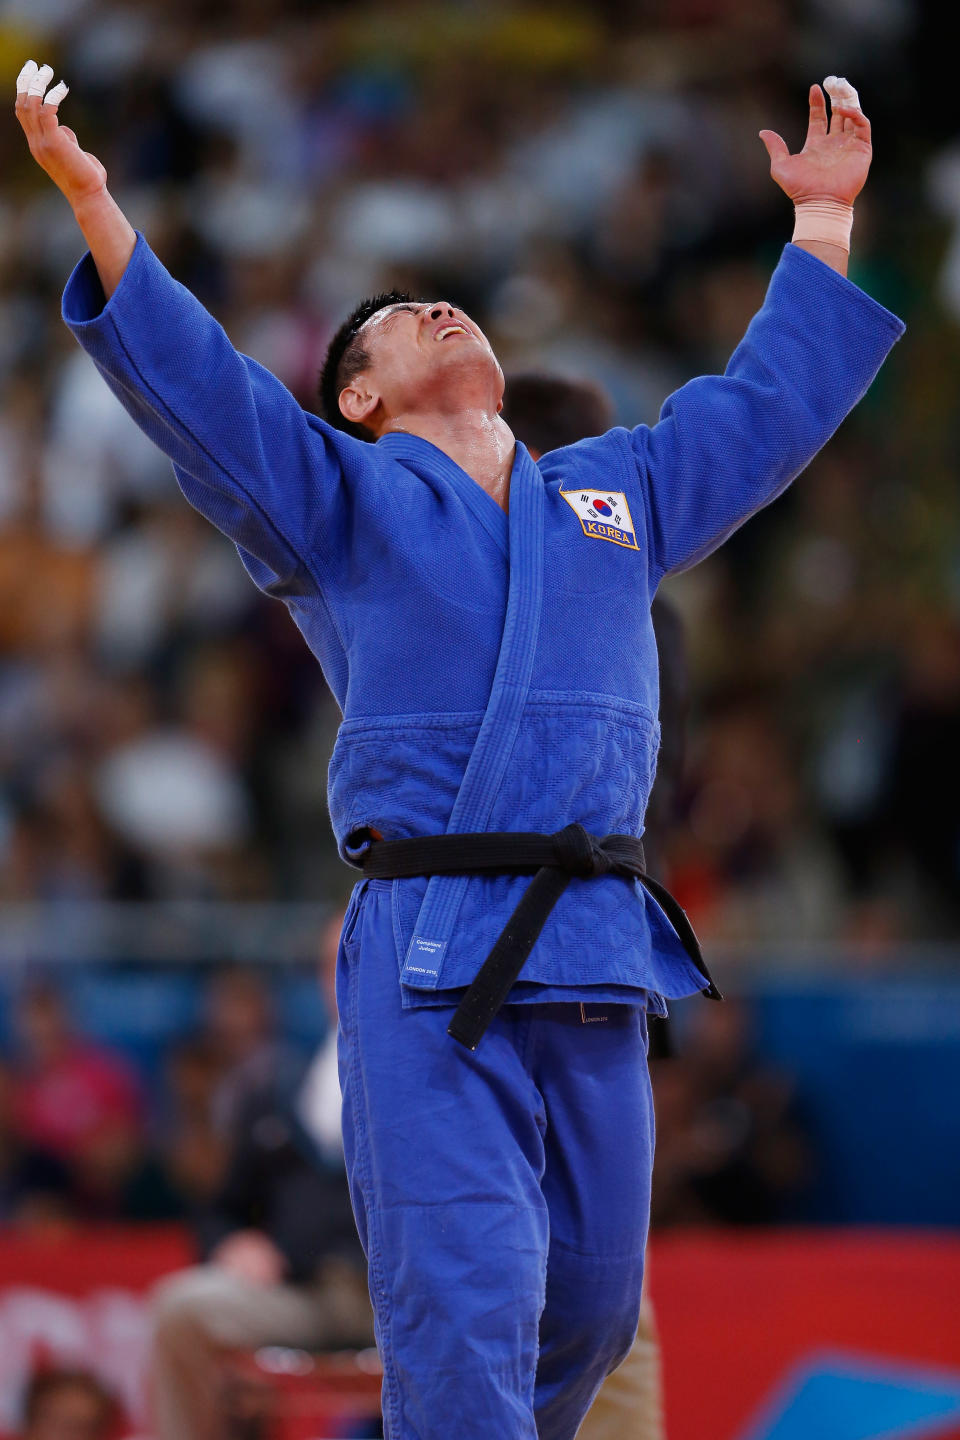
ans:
x=449 y=330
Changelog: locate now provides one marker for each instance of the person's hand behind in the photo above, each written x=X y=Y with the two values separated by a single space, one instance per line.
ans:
x=835 y=158
x=252 y=1255
x=55 y=147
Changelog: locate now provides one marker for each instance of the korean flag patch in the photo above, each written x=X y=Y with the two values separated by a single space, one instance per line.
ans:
x=604 y=515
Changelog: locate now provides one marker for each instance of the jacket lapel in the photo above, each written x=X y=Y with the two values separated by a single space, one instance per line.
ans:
x=484 y=774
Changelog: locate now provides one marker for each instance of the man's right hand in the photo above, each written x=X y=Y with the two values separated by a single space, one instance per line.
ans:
x=55 y=147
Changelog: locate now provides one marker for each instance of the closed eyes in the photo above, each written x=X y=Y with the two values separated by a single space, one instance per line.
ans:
x=396 y=309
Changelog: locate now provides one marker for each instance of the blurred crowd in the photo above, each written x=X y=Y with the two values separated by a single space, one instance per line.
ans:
x=238 y=1138
x=588 y=181
x=89 y=1134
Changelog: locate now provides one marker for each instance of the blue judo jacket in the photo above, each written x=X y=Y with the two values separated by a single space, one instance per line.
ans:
x=494 y=672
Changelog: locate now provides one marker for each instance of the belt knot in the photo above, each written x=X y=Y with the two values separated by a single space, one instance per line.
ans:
x=580 y=853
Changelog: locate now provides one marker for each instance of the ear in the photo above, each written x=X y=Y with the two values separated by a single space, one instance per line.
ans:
x=500 y=405
x=357 y=401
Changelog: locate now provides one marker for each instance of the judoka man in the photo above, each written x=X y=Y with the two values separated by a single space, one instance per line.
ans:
x=484 y=623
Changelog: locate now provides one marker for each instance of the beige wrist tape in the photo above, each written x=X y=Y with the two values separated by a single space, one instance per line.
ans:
x=828 y=221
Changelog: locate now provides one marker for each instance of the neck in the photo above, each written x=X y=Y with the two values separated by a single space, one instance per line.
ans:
x=479 y=441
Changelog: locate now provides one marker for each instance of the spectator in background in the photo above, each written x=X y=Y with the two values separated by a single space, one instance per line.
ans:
x=210 y=1077
x=747 y=863
x=68 y=1089
x=731 y=1145
x=283 y=1262
x=241 y=1033
x=80 y=1122
x=116 y=1176
x=68 y=1405
x=194 y=1149
x=34 y=1185
x=925 y=799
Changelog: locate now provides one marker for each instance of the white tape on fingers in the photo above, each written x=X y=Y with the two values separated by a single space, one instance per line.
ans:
x=41 y=80
x=25 y=77
x=841 y=92
x=54 y=96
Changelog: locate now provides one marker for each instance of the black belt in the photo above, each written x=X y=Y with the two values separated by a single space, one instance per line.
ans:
x=553 y=860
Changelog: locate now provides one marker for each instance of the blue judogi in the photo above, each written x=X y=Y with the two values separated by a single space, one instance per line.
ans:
x=495 y=672
x=502 y=1197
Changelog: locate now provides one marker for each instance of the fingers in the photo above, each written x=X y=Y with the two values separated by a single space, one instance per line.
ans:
x=25 y=78
x=36 y=108
x=78 y=174
x=842 y=96
x=40 y=81
x=32 y=85
x=841 y=92
x=817 y=124
x=775 y=144
x=854 y=122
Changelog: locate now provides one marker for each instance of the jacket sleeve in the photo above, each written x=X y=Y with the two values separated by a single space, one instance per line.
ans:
x=726 y=445
x=263 y=470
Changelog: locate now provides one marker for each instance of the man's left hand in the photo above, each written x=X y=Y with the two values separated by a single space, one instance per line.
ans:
x=835 y=158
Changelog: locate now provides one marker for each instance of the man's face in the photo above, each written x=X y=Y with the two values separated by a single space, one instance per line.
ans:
x=424 y=354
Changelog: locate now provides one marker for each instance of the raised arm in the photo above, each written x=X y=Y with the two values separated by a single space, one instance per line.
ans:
x=75 y=172
x=726 y=445
x=265 y=472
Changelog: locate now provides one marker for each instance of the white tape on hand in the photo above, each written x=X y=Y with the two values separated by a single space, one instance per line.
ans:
x=54 y=96
x=25 y=77
x=41 y=80
x=841 y=92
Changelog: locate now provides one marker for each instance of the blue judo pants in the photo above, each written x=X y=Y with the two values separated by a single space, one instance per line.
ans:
x=502 y=1197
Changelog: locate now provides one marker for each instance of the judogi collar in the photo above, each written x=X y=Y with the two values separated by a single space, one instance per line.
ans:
x=492 y=517
x=520 y=534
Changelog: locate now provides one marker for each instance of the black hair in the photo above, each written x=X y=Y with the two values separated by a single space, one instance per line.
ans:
x=548 y=411
x=346 y=358
x=45 y=1383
